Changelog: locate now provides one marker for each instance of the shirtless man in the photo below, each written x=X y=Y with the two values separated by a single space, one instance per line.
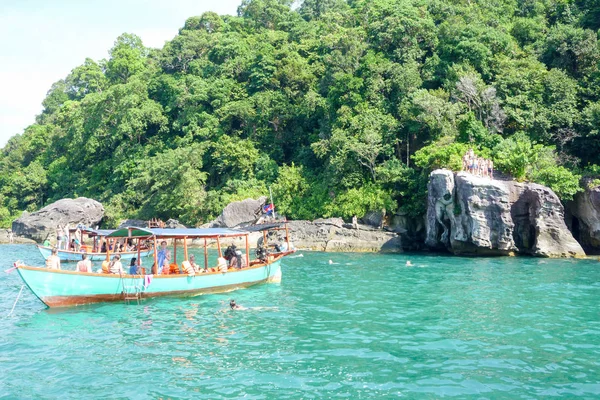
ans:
x=53 y=262
x=85 y=265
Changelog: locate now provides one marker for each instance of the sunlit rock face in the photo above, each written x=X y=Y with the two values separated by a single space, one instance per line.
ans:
x=585 y=217
x=42 y=224
x=474 y=215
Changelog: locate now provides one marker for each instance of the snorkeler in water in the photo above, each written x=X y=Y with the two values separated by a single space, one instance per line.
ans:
x=235 y=306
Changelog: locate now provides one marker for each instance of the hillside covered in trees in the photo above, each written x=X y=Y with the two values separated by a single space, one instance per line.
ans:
x=339 y=106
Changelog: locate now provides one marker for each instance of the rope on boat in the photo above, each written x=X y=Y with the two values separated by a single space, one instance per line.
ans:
x=17 y=299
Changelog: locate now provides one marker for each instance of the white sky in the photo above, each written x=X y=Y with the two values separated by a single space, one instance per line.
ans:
x=41 y=41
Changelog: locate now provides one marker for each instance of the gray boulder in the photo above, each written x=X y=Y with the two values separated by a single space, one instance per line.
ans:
x=41 y=224
x=375 y=219
x=479 y=216
x=585 y=217
x=240 y=213
x=174 y=224
x=133 y=222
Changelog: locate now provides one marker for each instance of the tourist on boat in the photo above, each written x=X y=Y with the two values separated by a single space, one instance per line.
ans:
x=78 y=237
x=73 y=246
x=162 y=253
x=59 y=237
x=165 y=267
x=115 y=266
x=103 y=247
x=222 y=264
x=196 y=267
x=53 y=262
x=66 y=237
x=134 y=267
x=46 y=242
x=85 y=265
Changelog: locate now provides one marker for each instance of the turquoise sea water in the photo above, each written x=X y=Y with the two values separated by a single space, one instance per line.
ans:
x=366 y=326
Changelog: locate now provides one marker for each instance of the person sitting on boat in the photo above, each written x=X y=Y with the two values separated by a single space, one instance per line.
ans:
x=161 y=255
x=222 y=264
x=134 y=267
x=229 y=255
x=85 y=265
x=46 y=242
x=115 y=266
x=73 y=246
x=196 y=267
x=53 y=262
x=103 y=247
x=241 y=260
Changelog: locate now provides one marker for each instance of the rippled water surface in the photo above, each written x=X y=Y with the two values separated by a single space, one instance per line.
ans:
x=366 y=326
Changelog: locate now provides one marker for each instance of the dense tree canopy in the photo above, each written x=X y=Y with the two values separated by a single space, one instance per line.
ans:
x=340 y=106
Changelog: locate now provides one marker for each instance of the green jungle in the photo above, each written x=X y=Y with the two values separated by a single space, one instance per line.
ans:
x=339 y=107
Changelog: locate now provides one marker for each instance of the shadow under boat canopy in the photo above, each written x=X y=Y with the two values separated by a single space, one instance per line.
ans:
x=154 y=234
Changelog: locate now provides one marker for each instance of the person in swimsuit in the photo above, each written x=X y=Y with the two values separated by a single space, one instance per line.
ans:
x=85 y=265
x=53 y=262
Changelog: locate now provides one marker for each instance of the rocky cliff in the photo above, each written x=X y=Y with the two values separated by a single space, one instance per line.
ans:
x=332 y=234
x=480 y=216
x=42 y=224
x=584 y=217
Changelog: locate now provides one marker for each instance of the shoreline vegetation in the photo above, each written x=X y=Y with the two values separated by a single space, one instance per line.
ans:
x=341 y=107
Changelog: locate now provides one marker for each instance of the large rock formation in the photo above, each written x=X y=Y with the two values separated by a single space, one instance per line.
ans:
x=333 y=235
x=42 y=223
x=585 y=217
x=479 y=216
x=239 y=213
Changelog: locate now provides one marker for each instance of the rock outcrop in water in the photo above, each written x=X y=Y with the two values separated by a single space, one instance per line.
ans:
x=5 y=238
x=472 y=215
x=585 y=217
x=332 y=234
x=42 y=224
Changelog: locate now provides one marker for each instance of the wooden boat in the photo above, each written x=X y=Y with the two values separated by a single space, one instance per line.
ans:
x=60 y=288
x=94 y=234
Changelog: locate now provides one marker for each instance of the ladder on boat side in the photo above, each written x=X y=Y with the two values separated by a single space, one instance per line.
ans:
x=131 y=291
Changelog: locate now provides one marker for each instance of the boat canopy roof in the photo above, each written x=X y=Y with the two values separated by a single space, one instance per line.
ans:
x=93 y=232
x=165 y=233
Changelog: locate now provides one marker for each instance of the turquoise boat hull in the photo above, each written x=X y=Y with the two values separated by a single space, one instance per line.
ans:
x=65 y=255
x=59 y=288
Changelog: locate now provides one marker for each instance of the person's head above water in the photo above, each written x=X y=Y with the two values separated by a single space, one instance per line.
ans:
x=232 y=304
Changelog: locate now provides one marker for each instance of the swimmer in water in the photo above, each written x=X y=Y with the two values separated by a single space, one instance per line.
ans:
x=409 y=264
x=235 y=306
x=330 y=261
